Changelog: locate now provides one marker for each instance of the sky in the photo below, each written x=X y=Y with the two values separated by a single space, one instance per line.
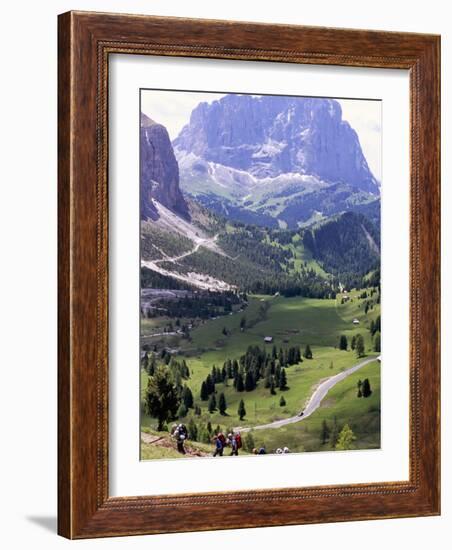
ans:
x=173 y=109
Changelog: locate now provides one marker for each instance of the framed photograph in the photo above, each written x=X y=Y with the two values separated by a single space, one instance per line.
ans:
x=248 y=275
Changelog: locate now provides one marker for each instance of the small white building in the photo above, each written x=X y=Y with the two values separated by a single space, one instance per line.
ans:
x=268 y=339
x=356 y=321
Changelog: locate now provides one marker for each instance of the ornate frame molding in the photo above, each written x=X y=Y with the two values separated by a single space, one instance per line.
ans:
x=85 y=42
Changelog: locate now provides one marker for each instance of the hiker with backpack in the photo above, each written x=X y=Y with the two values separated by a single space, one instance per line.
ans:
x=180 y=435
x=235 y=442
x=218 y=446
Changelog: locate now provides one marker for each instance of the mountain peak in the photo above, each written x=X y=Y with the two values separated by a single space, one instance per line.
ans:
x=272 y=135
x=159 y=171
x=146 y=121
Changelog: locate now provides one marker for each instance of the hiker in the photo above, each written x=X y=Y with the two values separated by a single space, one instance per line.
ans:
x=218 y=446
x=180 y=435
x=233 y=444
x=222 y=438
x=260 y=451
x=183 y=430
x=236 y=443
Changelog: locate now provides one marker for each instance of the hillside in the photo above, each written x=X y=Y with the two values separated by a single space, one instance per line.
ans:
x=347 y=246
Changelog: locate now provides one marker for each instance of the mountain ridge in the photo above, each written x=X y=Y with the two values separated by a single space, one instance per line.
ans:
x=271 y=135
x=159 y=171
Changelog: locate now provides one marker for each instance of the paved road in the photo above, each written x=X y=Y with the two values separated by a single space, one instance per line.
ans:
x=315 y=400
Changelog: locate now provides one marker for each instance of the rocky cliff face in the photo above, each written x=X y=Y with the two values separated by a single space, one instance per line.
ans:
x=271 y=135
x=159 y=172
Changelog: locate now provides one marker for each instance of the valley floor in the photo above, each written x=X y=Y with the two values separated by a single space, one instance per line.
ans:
x=289 y=322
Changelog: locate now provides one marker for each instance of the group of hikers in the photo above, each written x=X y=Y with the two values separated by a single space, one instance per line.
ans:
x=220 y=441
x=233 y=440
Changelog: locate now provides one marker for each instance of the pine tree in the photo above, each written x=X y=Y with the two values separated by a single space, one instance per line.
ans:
x=162 y=398
x=377 y=342
x=298 y=358
x=192 y=430
x=239 y=386
x=212 y=404
x=242 y=323
x=241 y=411
x=283 y=380
x=346 y=438
x=268 y=377
x=377 y=325
x=187 y=397
x=204 y=394
x=324 y=432
x=235 y=368
x=359 y=385
x=151 y=364
x=307 y=352
x=282 y=401
x=334 y=434
x=249 y=381
x=353 y=344
x=343 y=343
x=277 y=375
x=366 y=389
x=222 y=405
x=228 y=366
x=359 y=346
x=272 y=388
x=210 y=383
x=274 y=352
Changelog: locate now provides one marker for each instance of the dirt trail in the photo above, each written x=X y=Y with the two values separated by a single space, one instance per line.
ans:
x=201 y=242
x=167 y=442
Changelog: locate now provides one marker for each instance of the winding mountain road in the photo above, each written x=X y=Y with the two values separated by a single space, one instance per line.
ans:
x=207 y=243
x=314 y=401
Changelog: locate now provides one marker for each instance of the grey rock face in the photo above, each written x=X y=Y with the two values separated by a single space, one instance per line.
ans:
x=159 y=172
x=272 y=135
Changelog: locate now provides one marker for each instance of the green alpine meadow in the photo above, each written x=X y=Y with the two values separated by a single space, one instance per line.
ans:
x=260 y=312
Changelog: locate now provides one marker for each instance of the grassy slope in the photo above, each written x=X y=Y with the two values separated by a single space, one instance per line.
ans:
x=152 y=451
x=301 y=321
x=363 y=416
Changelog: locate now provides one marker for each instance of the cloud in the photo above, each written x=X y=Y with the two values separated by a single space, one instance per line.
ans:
x=173 y=108
x=364 y=116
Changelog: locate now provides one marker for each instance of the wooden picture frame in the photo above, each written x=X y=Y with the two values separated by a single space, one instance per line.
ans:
x=86 y=40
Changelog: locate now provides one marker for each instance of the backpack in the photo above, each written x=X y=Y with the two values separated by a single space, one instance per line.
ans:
x=238 y=439
x=183 y=430
x=222 y=439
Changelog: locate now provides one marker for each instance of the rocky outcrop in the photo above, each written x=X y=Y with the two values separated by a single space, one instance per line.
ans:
x=272 y=135
x=159 y=172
